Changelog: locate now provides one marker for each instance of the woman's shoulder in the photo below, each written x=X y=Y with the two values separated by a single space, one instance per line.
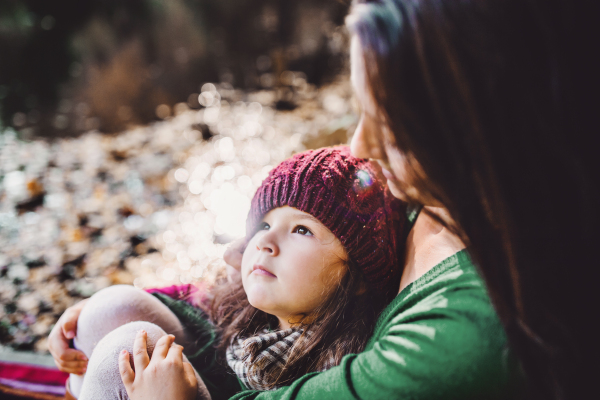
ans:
x=445 y=324
x=456 y=273
x=450 y=308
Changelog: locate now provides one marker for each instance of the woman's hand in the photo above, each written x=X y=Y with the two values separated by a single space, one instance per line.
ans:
x=164 y=377
x=67 y=359
x=233 y=259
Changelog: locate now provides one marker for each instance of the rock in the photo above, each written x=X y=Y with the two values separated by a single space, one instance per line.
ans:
x=18 y=273
x=8 y=290
x=29 y=303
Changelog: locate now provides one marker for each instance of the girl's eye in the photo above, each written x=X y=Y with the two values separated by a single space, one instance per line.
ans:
x=263 y=226
x=302 y=230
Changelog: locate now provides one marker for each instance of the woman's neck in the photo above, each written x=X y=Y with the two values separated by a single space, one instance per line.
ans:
x=428 y=244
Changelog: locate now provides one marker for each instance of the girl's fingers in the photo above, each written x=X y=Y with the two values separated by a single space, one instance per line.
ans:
x=162 y=348
x=127 y=374
x=72 y=367
x=190 y=374
x=140 y=352
x=72 y=355
x=69 y=327
x=175 y=353
x=68 y=321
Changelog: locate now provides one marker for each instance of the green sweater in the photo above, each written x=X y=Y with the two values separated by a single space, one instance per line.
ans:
x=439 y=339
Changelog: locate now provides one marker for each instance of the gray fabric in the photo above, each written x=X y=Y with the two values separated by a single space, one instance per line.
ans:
x=271 y=349
x=108 y=324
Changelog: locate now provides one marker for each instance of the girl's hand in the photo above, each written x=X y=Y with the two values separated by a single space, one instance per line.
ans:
x=67 y=359
x=164 y=377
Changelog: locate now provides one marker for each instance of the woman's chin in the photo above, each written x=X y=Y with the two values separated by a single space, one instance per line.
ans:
x=411 y=195
x=396 y=192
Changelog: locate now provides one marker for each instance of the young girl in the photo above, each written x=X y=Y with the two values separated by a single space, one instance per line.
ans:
x=320 y=264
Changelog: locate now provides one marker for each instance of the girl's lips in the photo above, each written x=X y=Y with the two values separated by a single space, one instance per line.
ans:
x=260 y=270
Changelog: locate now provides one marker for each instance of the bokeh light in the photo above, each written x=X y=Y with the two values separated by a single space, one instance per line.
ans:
x=155 y=205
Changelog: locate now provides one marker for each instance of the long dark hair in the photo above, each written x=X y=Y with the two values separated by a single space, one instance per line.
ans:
x=496 y=100
x=341 y=325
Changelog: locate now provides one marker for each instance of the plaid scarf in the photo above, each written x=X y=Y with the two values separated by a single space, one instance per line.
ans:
x=272 y=351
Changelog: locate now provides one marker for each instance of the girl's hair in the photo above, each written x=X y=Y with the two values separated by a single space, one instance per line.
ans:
x=340 y=326
x=497 y=101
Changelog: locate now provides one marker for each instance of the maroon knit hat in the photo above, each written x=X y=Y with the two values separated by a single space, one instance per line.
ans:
x=345 y=194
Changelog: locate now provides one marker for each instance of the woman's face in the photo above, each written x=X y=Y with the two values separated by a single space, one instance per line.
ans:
x=372 y=139
x=291 y=265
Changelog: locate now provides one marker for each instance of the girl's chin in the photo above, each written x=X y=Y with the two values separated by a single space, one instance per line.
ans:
x=259 y=305
x=259 y=298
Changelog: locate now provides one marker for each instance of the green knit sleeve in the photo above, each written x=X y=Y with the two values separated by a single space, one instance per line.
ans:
x=440 y=339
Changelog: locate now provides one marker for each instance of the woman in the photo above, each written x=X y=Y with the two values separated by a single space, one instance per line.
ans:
x=480 y=107
x=486 y=107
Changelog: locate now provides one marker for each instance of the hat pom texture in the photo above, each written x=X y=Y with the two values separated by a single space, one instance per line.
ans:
x=346 y=195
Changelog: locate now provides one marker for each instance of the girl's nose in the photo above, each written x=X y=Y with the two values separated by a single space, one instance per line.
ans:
x=266 y=243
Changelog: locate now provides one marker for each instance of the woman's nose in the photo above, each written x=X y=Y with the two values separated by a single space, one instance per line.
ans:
x=358 y=145
x=267 y=244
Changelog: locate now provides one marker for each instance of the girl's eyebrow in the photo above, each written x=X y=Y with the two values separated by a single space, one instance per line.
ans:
x=309 y=217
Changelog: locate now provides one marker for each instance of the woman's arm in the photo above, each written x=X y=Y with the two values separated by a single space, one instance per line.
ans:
x=442 y=341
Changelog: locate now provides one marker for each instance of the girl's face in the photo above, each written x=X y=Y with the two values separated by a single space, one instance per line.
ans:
x=291 y=265
x=374 y=140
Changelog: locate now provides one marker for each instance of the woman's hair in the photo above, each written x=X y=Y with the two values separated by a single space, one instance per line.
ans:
x=496 y=100
x=341 y=325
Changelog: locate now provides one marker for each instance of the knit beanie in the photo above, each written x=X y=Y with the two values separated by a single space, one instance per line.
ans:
x=347 y=196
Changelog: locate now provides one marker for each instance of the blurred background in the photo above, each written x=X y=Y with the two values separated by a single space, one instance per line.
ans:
x=134 y=133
